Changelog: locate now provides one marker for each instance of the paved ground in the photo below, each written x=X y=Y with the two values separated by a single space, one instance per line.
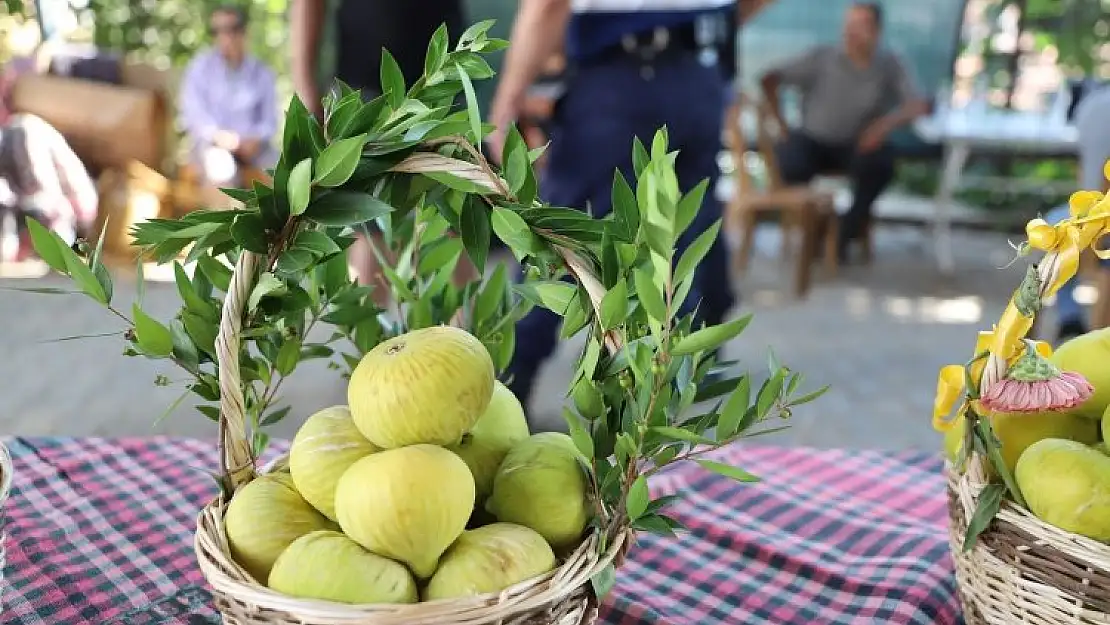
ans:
x=876 y=334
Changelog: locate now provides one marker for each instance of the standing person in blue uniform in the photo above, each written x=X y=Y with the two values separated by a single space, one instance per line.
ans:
x=633 y=67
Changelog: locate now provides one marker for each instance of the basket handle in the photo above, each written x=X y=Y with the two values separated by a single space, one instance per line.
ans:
x=237 y=462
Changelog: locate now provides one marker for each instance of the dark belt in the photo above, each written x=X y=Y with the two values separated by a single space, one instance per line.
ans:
x=650 y=46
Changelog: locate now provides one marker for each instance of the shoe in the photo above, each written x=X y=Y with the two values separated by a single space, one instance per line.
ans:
x=1070 y=329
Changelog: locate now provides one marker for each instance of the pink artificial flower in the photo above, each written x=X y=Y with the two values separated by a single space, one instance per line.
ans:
x=1065 y=390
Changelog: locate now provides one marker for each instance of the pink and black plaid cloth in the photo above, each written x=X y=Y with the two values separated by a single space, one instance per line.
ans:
x=101 y=531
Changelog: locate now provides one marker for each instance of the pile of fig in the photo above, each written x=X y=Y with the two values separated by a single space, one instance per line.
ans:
x=428 y=485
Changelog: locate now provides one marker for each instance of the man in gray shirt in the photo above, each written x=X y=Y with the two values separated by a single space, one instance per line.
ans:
x=853 y=96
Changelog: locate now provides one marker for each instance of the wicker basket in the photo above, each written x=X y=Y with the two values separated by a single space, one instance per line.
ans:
x=1021 y=569
x=561 y=597
x=6 y=474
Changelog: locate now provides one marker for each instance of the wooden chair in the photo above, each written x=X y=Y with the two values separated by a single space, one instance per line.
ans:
x=804 y=213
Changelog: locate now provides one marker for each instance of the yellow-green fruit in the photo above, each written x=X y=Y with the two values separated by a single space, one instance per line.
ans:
x=1017 y=431
x=264 y=518
x=502 y=426
x=1067 y=484
x=489 y=559
x=540 y=485
x=1088 y=355
x=1106 y=425
x=330 y=566
x=408 y=504
x=426 y=386
x=325 y=446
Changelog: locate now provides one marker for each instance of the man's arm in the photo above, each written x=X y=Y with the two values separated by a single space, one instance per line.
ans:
x=537 y=34
x=306 y=19
x=195 y=116
x=800 y=71
x=911 y=106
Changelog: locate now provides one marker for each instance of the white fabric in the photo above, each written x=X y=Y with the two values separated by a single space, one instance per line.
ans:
x=633 y=6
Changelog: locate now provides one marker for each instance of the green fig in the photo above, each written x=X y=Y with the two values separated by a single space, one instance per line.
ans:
x=1017 y=431
x=408 y=504
x=540 y=485
x=489 y=559
x=1088 y=355
x=425 y=386
x=1067 y=484
x=331 y=567
x=264 y=518
x=325 y=446
x=502 y=426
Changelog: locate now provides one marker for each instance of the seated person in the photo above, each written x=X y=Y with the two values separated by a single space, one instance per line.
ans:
x=1094 y=151
x=853 y=96
x=229 y=105
x=40 y=175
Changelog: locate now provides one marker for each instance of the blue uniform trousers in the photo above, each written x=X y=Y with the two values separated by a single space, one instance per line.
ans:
x=606 y=105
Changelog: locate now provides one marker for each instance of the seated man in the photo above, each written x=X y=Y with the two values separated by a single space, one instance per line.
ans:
x=853 y=97
x=228 y=105
x=1094 y=152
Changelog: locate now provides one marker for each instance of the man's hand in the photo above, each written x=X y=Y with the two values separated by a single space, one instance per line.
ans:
x=226 y=140
x=249 y=149
x=504 y=113
x=872 y=138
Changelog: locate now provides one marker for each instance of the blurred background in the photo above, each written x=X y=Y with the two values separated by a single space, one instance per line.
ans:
x=876 y=332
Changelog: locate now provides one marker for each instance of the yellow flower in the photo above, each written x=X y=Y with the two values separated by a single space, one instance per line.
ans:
x=1041 y=235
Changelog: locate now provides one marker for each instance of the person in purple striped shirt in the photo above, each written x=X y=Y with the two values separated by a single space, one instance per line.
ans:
x=228 y=104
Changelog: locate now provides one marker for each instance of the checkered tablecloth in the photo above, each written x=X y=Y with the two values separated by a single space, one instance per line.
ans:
x=101 y=531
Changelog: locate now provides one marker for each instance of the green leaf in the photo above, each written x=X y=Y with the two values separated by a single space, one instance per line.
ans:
x=578 y=434
x=217 y=273
x=140 y=280
x=769 y=393
x=293 y=261
x=638 y=498
x=689 y=206
x=475 y=32
x=990 y=502
x=625 y=208
x=734 y=410
x=614 y=306
x=338 y=161
x=710 y=338
x=728 y=471
x=316 y=242
x=514 y=159
x=471 y=104
x=249 y=232
x=654 y=524
x=392 y=80
x=603 y=581
x=84 y=277
x=288 y=356
x=189 y=296
x=183 y=348
x=201 y=331
x=437 y=51
x=679 y=434
x=492 y=295
x=346 y=208
x=268 y=284
x=808 y=397
x=475 y=231
x=650 y=297
x=554 y=295
x=300 y=187
x=151 y=336
x=46 y=245
x=275 y=416
x=696 y=252
x=514 y=231
x=640 y=157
